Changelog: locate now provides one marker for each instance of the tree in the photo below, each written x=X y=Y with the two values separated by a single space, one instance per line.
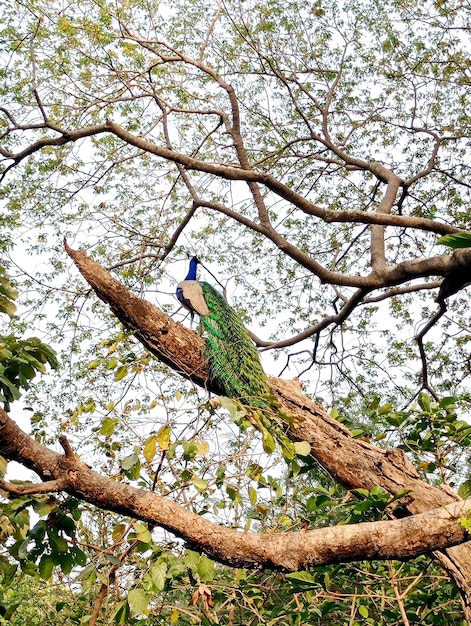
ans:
x=314 y=155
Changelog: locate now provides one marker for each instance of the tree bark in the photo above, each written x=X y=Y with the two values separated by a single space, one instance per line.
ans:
x=395 y=539
x=351 y=462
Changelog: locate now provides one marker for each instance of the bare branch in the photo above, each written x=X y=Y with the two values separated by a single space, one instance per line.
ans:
x=69 y=453
x=329 y=320
x=59 y=484
x=397 y=291
x=232 y=173
x=378 y=256
x=419 y=338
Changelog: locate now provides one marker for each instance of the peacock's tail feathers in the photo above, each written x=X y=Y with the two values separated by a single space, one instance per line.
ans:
x=234 y=362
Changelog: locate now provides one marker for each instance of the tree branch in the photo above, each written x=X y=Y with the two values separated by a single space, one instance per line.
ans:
x=355 y=463
x=396 y=539
x=229 y=173
x=49 y=486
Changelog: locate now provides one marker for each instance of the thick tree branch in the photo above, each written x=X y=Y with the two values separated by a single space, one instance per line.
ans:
x=29 y=488
x=378 y=252
x=228 y=172
x=396 y=539
x=171 y=342
x=351 y=462
x=354 y=463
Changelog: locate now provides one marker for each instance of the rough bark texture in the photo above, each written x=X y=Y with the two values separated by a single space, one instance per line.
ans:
x=349 y=461
x=352 y=462
x=396 y=539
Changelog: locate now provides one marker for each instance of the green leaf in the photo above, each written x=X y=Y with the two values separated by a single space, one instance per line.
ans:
x=67 y=524
x=138 y=602
x=8 y=573
x=7 y=294
x=87 y=572
x=111 y=363
x=108 y=426
x=464 y=490
x=424 y=402
x=119 y=531
x=158 y=575
x=6 y=287
x=80 y=558
x=66 y=561
x=121 y=373
x=301 y=578
x=163 y=437
x=190 y=450
x=11 y=610
x=228 y=404
x=268 y=441
x=295 y=468
x=23 y=549
x=448 y=401
x=200 y=484
x=191 y=558
x=121 y=615
x=7 y=306
x=206 y=569
x=287 y=448
x=58 y=544
x=142 y=532
x=311 y=504
x=130 y=461
x=456 y=240
x=387 y=408
x=302 y=448
x=150 y=448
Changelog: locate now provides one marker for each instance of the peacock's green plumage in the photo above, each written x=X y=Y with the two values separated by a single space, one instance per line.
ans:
x=234 y=362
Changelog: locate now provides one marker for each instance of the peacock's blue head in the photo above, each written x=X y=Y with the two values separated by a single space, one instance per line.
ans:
x=192 y=270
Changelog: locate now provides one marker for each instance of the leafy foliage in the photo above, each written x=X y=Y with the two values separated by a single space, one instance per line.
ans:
x=460 y=240
x=20 y=360
x=8 y=294
x=302 y=101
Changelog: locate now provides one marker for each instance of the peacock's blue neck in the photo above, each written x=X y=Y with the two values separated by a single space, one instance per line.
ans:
x=192 y=271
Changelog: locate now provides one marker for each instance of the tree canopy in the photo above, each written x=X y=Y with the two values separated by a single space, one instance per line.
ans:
x=316 y=159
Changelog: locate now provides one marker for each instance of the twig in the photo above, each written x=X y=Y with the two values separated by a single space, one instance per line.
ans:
x=157 y=471
x=105 y=586
x=69 y=453
x=58 y=484
x=399 y=595
x=419 y=338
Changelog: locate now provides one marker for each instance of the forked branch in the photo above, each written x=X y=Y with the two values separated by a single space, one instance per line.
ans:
x=396 y=539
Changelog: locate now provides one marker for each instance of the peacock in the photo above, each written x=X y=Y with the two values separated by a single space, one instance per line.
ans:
x=234 y=363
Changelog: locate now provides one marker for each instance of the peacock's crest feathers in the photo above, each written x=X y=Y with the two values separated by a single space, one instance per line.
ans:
x=234 y=362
